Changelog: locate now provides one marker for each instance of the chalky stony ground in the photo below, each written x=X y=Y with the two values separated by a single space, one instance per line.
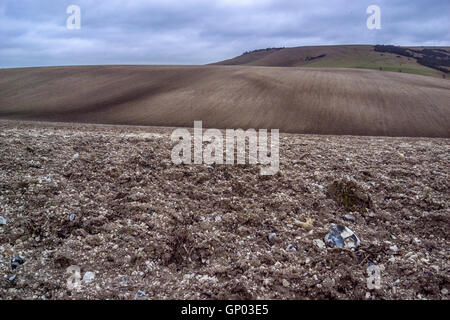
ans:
x=109 y=200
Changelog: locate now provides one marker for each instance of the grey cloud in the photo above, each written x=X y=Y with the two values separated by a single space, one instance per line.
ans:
x=33 y=32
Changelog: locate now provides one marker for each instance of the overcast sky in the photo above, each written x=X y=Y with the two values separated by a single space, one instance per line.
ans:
x=34 y=32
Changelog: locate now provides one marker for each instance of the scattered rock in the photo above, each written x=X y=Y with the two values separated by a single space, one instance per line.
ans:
x=140 y=295
x=319 y=243
x=88 y=277
x=81 y=232
x=291 y=248
x=308 y=224
x=349 y=218
x=285 y=283
x=436 y=268
x=11 y=279
x=206 y=278
x=342 y=237
x=394 y=248
x=16 y=262
x=272 y=237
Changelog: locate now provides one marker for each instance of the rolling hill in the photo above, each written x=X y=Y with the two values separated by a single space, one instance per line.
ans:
x=295 y=100
x=387 y=58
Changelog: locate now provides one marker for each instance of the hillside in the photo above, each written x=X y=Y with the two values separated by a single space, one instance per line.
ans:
x=350 y=56
x=296 y=100
x=109 y=200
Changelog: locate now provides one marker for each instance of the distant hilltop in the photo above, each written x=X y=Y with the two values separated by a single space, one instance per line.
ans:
x=429 y=61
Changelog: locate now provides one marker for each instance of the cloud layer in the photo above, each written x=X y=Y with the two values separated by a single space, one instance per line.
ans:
x=34 y=32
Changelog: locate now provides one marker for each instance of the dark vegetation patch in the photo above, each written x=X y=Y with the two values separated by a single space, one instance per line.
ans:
x=308 y=58
x=262 y=50
x=438 y=59
x=350 y=195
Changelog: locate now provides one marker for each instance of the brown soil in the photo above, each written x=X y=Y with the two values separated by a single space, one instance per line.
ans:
x=193 y=232
x=295 y=100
